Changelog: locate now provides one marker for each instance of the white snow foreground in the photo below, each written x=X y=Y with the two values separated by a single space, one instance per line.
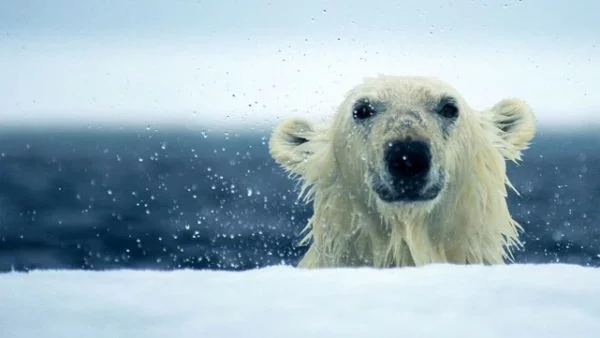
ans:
x=431 y=301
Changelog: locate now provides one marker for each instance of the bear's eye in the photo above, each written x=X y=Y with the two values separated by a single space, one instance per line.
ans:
x=363 y=109
x=448 y=110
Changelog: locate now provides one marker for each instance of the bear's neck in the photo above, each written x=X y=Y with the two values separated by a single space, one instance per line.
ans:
x=471 y=226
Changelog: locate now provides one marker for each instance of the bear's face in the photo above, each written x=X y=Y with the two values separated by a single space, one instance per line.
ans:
x=401 y=141
x=400 y=137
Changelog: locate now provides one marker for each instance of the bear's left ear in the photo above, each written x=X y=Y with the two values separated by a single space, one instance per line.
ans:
x=515 y=124
x=300 y=147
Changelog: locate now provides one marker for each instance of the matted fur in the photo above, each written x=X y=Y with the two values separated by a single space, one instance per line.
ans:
x=468 y=222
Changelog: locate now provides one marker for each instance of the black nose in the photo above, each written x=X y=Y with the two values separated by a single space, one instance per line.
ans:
x=408 y=159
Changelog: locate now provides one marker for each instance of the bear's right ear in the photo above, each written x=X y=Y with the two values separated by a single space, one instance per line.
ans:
x=515 y=124
x=295 y=143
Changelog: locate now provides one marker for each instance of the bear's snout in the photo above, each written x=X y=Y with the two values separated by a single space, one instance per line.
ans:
x=408 y=164
x=408 y=160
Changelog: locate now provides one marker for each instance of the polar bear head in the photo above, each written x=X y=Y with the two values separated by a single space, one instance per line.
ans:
x=410 y=150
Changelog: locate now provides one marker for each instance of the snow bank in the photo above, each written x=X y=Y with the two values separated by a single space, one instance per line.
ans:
x=433 y=301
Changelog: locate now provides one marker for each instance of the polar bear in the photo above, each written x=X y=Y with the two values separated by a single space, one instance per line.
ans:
x=406 y=174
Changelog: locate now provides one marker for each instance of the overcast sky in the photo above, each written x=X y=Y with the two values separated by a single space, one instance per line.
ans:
x=253 y=62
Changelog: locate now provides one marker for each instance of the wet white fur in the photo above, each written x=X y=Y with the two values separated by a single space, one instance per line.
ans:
x=469 y=221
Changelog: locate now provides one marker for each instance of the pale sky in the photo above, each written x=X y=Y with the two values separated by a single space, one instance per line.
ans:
x=250 y=63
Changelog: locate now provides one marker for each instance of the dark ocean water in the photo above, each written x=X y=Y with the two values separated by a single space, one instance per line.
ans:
x=99 y=199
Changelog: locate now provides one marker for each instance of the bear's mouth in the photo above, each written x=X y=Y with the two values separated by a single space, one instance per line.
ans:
x=412 y=190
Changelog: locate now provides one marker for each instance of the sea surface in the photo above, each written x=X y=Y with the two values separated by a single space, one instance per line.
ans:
x=127 y=198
